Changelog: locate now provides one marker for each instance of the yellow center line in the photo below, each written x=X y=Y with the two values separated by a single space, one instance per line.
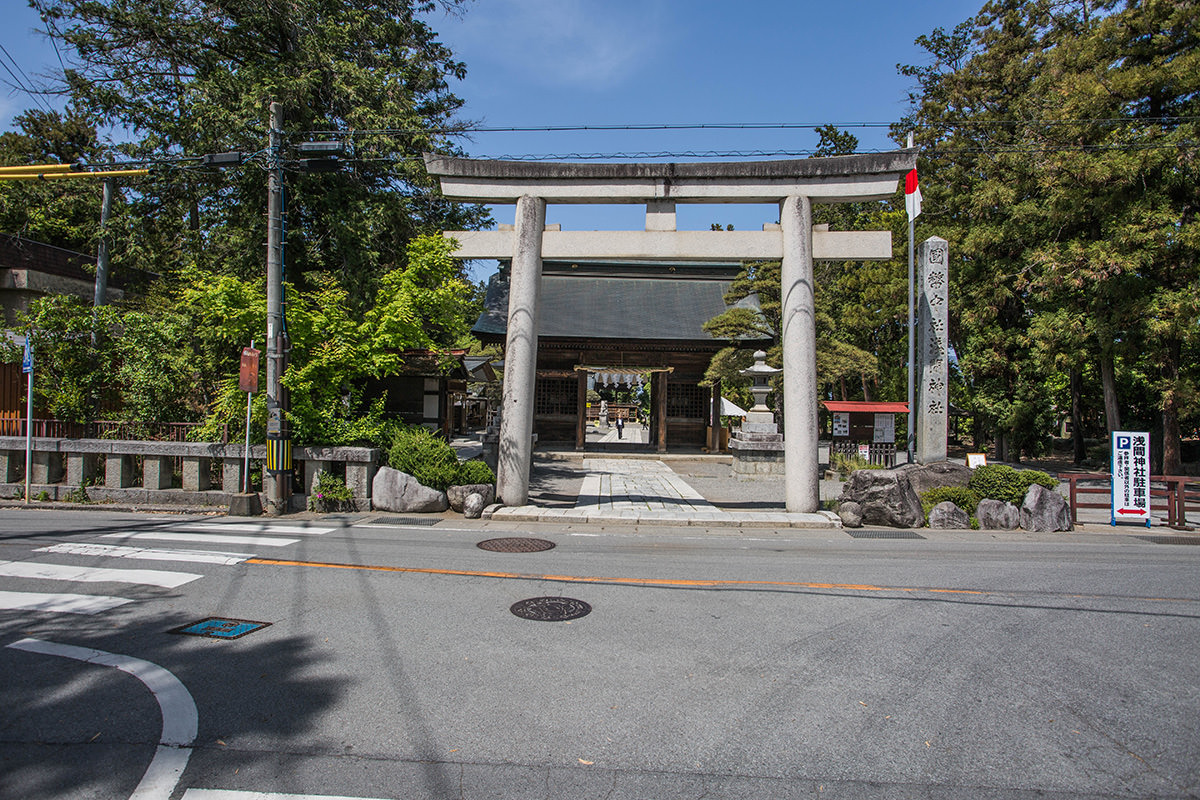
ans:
x=857 y=587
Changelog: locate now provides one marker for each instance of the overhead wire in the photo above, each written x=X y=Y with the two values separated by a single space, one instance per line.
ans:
x=31 y=90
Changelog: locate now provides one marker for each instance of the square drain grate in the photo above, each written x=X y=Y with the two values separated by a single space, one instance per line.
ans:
x=859 y=533
x=1170 y=539
x=405 y=521
x=220 y=628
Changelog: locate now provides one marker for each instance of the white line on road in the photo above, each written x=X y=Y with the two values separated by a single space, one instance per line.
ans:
x=66 y=572
x=230 y=794
x=146 y=553
x=257 y=527
x=179 y=718
x=209 y=538
x=59 y=603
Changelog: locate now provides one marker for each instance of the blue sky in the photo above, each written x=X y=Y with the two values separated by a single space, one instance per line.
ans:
x=613 y=62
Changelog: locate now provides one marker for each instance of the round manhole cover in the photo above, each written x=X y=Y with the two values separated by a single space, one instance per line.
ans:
x=515 y=544
x=550 y=609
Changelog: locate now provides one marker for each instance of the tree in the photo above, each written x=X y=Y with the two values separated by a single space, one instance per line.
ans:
x=1061 y=141
x=64 y=213
x=189 y=77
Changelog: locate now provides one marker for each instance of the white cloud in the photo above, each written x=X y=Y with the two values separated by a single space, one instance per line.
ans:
x=593 y=44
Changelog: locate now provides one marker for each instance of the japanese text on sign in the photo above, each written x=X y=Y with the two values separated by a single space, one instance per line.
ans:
x=1131 y=476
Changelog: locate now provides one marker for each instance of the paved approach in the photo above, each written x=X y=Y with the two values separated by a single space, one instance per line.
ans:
x=634 y=490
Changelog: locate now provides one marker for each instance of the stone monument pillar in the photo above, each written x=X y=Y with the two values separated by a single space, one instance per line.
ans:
x=757 y=446
x=520 y=354
x=933 y=393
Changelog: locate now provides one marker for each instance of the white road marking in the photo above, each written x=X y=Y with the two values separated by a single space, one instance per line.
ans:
x=230 y=794
x=179 y=718
x=208 y=538
x=59 y=603
x=66 y=572
x=146 y=553
x=255 y=527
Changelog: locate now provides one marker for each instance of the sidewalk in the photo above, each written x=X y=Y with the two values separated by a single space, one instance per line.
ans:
x=645 y=490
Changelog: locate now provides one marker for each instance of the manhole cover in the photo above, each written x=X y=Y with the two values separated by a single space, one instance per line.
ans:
x=218 y=628
x=1170 y=539
x=515 y=544
x=550 y=609
x=861 y=534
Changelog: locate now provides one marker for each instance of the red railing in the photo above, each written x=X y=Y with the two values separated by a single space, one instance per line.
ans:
x=1175 y=494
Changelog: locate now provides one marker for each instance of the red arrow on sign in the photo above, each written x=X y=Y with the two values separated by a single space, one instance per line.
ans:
x=1131 y=511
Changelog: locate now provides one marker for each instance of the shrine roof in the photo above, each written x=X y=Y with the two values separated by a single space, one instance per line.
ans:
x=621 y=302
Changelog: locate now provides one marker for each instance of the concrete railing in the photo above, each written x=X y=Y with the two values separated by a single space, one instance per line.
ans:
x=143 y=472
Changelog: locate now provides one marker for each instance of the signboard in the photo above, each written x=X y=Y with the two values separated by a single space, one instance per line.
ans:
x=885 y=429
x=1131 y=476
x=841 y=423
x=27 y=358
x=248 y=374
x=864 y=451
x=975 y=460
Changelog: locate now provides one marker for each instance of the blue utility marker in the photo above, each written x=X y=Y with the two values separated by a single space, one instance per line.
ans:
x=218 y=628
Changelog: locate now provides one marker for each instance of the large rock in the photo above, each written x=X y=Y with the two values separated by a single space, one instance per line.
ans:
x=997 y=515
x=473 y=506
x=886 y=498
x=850 y=513
x=458 y=494
x=923 y=477
x=393 y=490
x=1045 y=510
x=947 y=516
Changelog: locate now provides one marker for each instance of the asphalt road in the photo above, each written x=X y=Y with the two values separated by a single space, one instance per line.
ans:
x=721 y=664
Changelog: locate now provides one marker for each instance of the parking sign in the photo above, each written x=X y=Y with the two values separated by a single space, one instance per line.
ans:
x=1131 y=476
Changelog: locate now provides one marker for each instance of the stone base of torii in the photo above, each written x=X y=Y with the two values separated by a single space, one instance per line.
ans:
x=794 y=184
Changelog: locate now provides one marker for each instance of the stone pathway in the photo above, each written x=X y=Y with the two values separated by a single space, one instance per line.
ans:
x=634 y=490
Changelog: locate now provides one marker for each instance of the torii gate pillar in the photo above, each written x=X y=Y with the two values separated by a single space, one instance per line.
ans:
x=800 y=432
x=520 y=354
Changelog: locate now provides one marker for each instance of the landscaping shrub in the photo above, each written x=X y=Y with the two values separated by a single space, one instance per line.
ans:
x=844 y=464
x=475 y=472
x=1002 y=482
x=961 y=496
x=330 y=493
x=431 y=460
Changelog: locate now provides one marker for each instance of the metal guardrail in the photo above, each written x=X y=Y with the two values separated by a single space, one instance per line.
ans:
x=1175 y=494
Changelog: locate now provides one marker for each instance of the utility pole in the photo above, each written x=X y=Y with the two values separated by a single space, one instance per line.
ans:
x=101 y=296
x=912 y=342
x=277 y=477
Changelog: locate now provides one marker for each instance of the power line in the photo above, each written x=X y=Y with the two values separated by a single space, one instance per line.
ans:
x=468 y=128
x=31 y=91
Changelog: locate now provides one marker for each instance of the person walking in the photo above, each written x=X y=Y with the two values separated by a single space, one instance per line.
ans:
x=620 y=424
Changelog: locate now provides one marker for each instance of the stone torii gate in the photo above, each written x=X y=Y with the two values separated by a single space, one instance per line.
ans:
x=794 y=184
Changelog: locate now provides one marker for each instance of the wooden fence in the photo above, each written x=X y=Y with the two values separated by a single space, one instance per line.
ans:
x=1173 y=494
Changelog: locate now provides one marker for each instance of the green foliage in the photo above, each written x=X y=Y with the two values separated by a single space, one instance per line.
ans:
x=42 y=496
x=196 y=76
x=844 y=464
x=475 y=472
x=419 y=452
x=965 y=498
x=1002 y=482
x=330 y=494
x=1072 y=244
x=78 y=495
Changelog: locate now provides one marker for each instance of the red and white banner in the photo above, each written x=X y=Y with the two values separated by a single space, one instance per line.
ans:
x=912 y=195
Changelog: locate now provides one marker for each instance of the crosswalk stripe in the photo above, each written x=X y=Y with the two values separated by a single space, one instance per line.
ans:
x=294 y=530
x=208 y=538
x=59 y=603
x=67 y=572
x=147 y=553
x=232 y=794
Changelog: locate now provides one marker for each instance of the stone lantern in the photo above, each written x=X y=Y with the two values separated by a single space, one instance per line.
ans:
x=757 y=446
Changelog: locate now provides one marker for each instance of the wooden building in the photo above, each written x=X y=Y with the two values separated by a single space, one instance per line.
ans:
x=632 y=318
